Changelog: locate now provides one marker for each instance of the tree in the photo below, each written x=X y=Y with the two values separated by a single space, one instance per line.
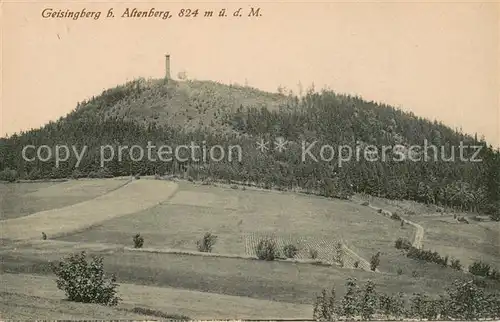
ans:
x=350 y=301
x=368 y=301
x=375 y=261
x=467 y=301
x=85 y=281
x=324 y=308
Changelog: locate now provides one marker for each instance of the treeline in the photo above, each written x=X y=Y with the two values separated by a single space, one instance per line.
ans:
x=328 y=118
x=463 y=300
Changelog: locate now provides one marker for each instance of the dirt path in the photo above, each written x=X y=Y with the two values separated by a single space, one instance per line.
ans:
x=419 y=233
x=133 y=197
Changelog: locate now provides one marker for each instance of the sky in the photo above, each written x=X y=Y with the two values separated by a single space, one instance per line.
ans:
x=438 y=60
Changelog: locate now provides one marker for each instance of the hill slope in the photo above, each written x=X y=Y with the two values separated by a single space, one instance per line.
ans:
x=176 y=113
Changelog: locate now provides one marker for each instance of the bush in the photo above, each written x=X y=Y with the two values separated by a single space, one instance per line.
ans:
x=313 y=253
x=480 y=269
x=267 y=250
x=455 y=264
x=290 y=251
x=375 y=261
x=44 y=236
x=365 y=203
x=84 y=281
x=138 y=241
x=400 y=271
x=402 y=243
x=356 y=264
x=207 y=243
x=395 y=216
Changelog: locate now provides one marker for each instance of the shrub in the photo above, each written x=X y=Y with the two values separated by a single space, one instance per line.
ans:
x=313 y=253
x=480 y=269
x=414 y=274
x=400 y=271
x=44 y=236
x=207 y=243
x=85 y=281
x=290 y=251
x=395 y=216
x=455 y=264
x=375 y=261
x=356 y=264
x=365 y=203
x=402 y=243
x=138 y=241
x=267 y=250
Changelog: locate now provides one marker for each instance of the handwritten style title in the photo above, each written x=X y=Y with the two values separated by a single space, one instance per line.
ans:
x=152 y=13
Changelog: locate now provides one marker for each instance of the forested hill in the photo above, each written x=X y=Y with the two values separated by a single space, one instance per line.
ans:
x=174 y=113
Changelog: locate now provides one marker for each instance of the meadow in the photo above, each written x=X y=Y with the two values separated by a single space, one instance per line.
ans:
x=174 y=215
x=240 y=218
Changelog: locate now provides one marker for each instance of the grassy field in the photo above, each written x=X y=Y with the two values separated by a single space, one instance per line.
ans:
x=22 y=199
x=40 y=292
x=444 y=234
x=277 y=281
x=130 y=198
x=241 y=217
x=175 y=215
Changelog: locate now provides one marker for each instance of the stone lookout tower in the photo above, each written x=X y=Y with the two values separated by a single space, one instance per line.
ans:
x=167 y=67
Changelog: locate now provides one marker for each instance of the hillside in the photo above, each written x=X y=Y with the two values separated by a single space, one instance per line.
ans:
x=179 y=112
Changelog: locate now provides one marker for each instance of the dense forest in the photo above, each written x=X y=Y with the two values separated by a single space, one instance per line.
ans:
x=140 y=112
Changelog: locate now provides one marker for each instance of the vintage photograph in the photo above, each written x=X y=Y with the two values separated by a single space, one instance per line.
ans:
x=263 y=161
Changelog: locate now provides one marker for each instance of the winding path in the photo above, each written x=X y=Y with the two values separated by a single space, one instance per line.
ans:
x=130 y=198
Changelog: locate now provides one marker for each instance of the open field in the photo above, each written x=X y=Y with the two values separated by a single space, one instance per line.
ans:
x=240 y=218
x=278 y=281
x=130 y=198
x=444 y=234
x=194 y=304
x=23 y=199
x=175 y=215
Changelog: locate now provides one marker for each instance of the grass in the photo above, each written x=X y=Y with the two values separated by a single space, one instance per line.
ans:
x=163 y=302
x=130 y=198
x=23 y=199
x=277 y=281
x=236 y=215
x=16 y=306
x=442 y=233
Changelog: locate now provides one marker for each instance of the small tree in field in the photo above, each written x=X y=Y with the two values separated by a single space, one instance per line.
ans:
x=375 y=261
x=207 y=243
x=339 y=254
x=85 y=281
x=138 y=241
x=267 y=250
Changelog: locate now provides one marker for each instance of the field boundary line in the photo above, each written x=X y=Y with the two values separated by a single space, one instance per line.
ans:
x=357 y=257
